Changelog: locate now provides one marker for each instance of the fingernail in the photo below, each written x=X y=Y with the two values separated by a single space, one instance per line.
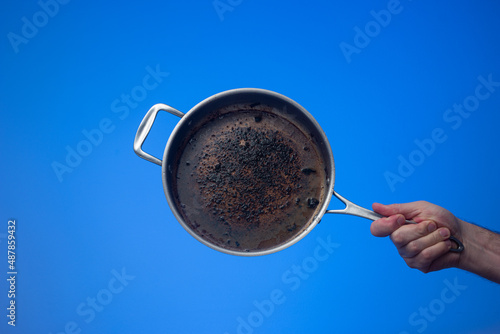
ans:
x=400 y=221
x=448 y=243
x=431 y=227
x=444 y=232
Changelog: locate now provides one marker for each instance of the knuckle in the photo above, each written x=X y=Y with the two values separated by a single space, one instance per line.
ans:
x=437 y=236
x=396 y=207
x=426 y=255
x=411 y=263
x=397 y=237
x=416 y=263
x=425 y=270
x=422 y=229
x=413 y=247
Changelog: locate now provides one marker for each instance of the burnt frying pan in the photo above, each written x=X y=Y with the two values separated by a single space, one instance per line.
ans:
x=248 y=171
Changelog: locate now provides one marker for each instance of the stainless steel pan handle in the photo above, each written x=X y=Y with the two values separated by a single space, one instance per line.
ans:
x=356 y=210
x=145 y=127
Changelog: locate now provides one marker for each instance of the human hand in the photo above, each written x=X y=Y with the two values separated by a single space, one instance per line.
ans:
x=425 y=245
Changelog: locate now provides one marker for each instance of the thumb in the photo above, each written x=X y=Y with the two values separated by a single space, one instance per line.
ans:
x=409 y=210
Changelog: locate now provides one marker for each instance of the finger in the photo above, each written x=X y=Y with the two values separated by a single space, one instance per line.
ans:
x=415 y=247
x=384 y=227
x=407 y=233
x=425 y=260
x=409 y=210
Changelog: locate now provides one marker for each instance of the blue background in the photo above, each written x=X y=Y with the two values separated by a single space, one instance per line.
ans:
x=109 y=215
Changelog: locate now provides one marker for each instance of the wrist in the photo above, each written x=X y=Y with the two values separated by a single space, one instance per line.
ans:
x=481 y=253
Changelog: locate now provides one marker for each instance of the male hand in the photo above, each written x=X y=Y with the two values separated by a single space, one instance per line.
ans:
x=425 y=245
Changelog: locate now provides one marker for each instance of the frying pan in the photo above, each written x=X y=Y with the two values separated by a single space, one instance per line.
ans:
x=248 y=171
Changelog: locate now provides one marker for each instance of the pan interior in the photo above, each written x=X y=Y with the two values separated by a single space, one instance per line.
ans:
x=249 y=179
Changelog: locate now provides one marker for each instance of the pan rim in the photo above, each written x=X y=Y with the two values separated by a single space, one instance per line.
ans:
x=231 y=94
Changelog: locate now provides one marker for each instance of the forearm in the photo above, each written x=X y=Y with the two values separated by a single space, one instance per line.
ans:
x=482 y=252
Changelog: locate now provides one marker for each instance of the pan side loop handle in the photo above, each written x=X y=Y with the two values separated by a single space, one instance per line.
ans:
x=356 y=210
x=145 y=127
